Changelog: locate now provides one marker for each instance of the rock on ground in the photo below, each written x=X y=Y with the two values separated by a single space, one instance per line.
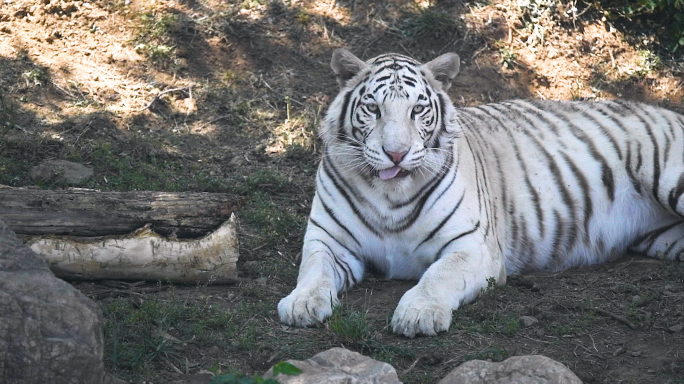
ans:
x=533 y=369
x=49 y=331
x=339 y=366
x=67 y=171
x=528 y=321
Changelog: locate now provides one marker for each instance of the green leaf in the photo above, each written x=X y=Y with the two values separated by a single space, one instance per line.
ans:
x=673 y=47
x=680 y=17
x=286 y=369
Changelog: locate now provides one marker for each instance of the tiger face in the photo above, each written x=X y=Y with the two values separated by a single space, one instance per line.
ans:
x=394 y=115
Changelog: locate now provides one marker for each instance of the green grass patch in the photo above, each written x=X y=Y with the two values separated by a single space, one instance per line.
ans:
x=350 y=327
x=156 y=26
x=428 y=23
x=493 y=322
x=140 y=334
x=155 y=37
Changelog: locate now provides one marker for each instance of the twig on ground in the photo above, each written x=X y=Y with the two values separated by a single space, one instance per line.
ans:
x=589 y=351
x=212 y=121
x=614 y=316
x=413 y=365
x=162 y=94
x=172 y=366
x=406 y=50
x=121 y=288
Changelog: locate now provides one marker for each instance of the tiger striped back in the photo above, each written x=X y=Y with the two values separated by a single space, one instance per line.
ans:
x=412 y=188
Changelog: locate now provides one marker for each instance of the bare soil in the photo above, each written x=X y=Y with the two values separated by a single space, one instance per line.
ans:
x=224 y=96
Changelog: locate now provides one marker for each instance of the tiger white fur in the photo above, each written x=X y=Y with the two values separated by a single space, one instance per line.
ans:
x=413 y=188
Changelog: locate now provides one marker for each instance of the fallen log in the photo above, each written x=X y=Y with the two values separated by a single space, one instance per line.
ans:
x=144 y=255
x=85 y=212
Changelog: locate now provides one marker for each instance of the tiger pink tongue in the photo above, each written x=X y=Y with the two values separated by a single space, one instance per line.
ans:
x=389 y=173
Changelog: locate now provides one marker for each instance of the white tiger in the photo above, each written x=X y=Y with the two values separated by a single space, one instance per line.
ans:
x=413 y=188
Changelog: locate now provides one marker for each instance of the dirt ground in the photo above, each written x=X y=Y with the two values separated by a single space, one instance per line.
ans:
x=224 y=96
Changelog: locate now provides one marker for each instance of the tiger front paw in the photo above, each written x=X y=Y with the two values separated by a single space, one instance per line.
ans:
x=305 y=307
x=420 y=314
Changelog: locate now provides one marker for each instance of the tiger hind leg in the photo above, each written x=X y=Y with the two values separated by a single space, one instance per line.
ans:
x=665 y=242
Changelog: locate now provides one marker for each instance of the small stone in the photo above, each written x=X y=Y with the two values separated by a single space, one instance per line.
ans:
x=540 y=333
x=636 y=299
x=237 y=161
x=517 y=369
x=528 y=321
x=339 y=366
x=676 y=328
x=636 y=354
x=213 y=351
x=67 y=171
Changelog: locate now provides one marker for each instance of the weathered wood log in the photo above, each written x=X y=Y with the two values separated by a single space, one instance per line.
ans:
x=144 y=255
x=84 y=212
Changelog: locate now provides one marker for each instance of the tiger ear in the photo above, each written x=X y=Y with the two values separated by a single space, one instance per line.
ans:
x=444 y=68
x=345 y=65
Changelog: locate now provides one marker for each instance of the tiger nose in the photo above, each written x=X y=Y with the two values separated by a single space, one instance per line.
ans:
x=396 y=157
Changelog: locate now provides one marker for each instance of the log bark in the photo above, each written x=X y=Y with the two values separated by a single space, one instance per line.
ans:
x=144 y=255
x=83 y=212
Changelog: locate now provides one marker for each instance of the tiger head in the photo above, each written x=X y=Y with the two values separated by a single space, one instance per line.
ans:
x=392 y=118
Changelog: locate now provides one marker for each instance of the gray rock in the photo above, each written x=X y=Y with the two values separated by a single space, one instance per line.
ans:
x=67 y=171
x=533 y=369
x=676 y=328
x=528 y=321
x=339 y=366
x=49 y=331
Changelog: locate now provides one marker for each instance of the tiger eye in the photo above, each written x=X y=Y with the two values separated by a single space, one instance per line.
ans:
x=418 y=109
x=372 y=107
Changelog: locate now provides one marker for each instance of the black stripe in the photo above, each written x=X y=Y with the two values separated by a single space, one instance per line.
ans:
x=628 y=167
x=584 y=186
x=439 y=253
x=408 y=68
x=528 y=246
x=484 y=187
x=455 y=173
x=675 y=194
x=556 y=254
x=656 y=151
x=341 y=134
x=502 y=178
x=322 y=184
x=349 y=201
x=344 y=267
x=528 y=182
x=421 y=191
x=337 y=271
x=442 y=112
x=440 y=225
x=606 y=172
x=410 y=219
x=652 y=236
x=332 y=215
x=603 y=129
x=670 y=248
x=314 y=222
